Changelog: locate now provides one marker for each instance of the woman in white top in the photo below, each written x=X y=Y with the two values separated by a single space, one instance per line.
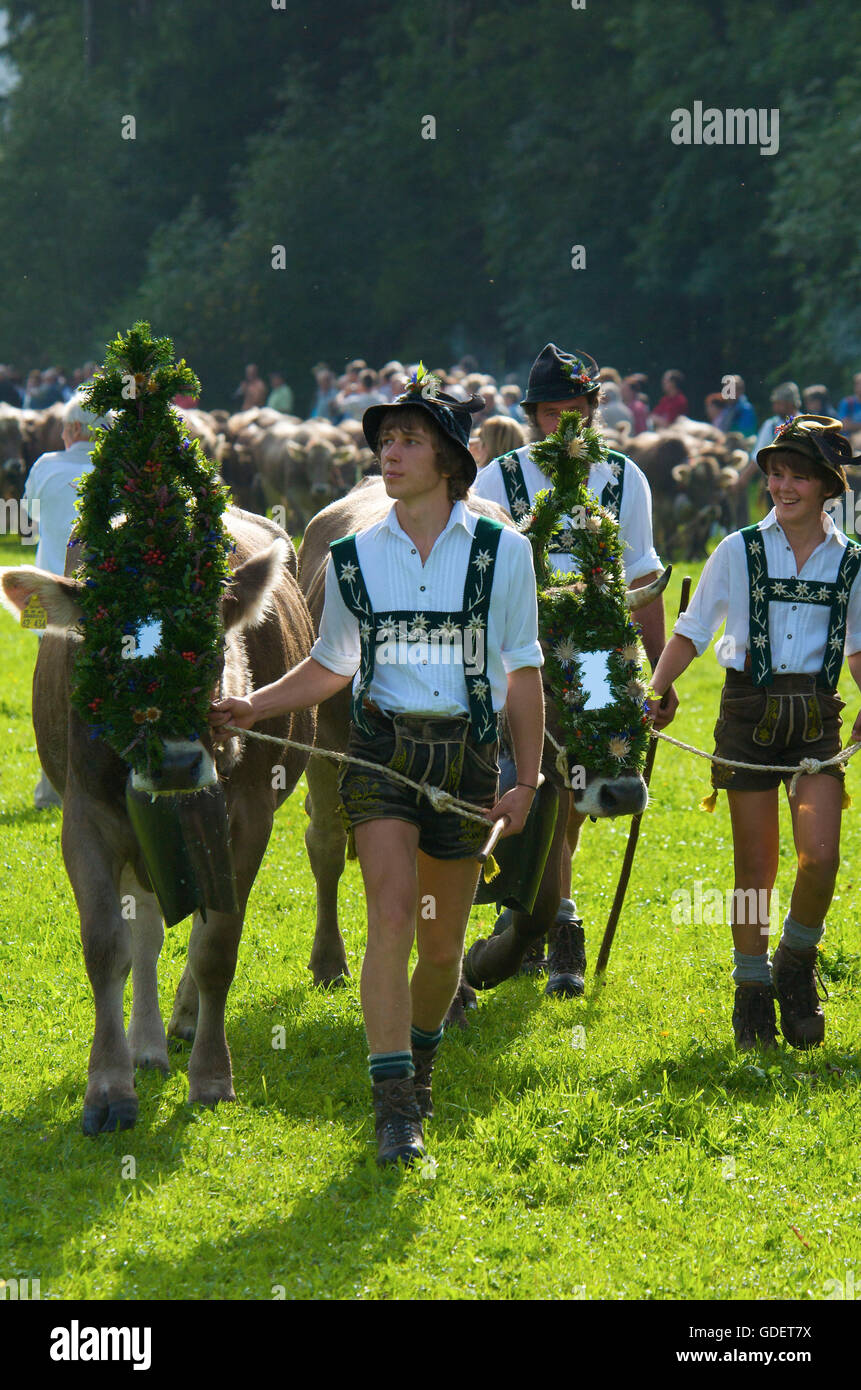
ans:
x=787 y=590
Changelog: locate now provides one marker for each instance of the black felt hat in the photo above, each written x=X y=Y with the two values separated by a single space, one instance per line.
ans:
x=453 y=416
x=817 y=437
x=559 y=376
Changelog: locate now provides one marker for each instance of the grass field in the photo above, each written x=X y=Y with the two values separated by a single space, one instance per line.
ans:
x=614 y=1147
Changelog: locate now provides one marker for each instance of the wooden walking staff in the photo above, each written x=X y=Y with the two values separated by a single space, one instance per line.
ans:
x=633 y=834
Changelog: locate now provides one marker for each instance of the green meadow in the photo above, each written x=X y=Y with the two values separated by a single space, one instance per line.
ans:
x=612 y=1147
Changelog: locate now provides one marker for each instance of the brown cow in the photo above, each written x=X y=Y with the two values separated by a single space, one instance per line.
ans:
x=268 y=630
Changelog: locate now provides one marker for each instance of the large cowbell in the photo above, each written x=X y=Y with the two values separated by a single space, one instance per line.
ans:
x=521 y=858
x=185 y=843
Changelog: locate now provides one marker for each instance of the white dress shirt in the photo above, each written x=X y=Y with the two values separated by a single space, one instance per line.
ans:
x=53 y=482
x=397 y=580
x=635 y=520
x=797 y=631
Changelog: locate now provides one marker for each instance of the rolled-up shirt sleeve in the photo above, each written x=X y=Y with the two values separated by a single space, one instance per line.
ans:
x=635 y=521
x=520 y=645
x=338 y=646
x=710 y=604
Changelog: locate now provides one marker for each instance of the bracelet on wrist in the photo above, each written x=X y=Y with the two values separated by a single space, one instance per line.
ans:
x=526 y=784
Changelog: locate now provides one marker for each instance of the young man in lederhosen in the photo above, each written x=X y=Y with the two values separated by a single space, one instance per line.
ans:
x=570 y=381
x=788 y=591
x=433 y=610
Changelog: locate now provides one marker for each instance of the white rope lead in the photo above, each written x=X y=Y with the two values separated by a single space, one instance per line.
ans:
x=440 y=800
x=806 y=766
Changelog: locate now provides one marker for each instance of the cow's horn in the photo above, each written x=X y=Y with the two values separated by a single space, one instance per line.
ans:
x=638 y=598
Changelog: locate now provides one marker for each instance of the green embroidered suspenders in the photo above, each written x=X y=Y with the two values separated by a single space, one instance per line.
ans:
x=764 y=590
x=520 y=506
x=431 y=627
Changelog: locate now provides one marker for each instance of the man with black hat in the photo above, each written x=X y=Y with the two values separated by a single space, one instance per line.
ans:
x=570 y=381
x=433 y=611
x=788 y=590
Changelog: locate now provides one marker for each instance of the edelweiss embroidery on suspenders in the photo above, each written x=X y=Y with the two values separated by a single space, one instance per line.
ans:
x=520 y=506
x=429 y=626
x=765 y=590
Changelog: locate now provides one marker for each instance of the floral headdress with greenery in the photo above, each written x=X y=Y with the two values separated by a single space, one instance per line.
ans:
x=154 y=558
x=585 y=610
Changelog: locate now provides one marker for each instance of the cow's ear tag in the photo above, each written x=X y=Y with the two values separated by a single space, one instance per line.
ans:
x=33 y=615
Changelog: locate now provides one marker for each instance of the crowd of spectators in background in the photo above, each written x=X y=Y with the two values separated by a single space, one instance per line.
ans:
x=346 y=396
x=40 y=389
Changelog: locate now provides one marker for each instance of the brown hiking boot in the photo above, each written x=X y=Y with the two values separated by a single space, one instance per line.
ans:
x=398 y=1122
x=753 y=1018
x=566 y=964
x=423 y=1060
x=535 y=960
x=795 y=973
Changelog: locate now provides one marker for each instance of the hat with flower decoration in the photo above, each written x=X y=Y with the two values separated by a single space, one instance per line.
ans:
x=560 y=376
x=453 y=416
x=817 y=437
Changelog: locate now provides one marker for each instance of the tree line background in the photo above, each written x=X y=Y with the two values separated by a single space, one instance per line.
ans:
x=301 y=127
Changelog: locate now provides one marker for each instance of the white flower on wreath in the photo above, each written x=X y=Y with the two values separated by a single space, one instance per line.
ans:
x=565 y=650
x=482 y=560
x=572 y=695
x=593 y=523
x=480 y=689
x=349 y=572
x=636 y=690
x=631 y=654
x=618 y=747
x=577 y=448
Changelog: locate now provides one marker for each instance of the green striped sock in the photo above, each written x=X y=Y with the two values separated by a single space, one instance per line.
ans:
x=425 y=1042
x=390 y=1066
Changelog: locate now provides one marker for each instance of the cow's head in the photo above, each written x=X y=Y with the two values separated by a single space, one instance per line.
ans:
x=188 y=765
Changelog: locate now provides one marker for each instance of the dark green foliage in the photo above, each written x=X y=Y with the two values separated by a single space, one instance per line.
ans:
x=302 y=128
x=586 y=612
x=154 y=551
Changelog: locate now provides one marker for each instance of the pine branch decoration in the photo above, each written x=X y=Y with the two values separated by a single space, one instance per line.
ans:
x=154 y=558
x=585 y=610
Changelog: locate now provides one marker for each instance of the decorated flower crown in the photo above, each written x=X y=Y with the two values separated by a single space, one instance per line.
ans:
x=585 y=611
x=153 y=558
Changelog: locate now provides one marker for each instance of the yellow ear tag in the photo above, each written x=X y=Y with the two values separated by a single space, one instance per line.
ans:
x=33 y=615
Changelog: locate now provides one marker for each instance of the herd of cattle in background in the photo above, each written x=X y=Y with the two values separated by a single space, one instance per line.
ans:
x=270 y=459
